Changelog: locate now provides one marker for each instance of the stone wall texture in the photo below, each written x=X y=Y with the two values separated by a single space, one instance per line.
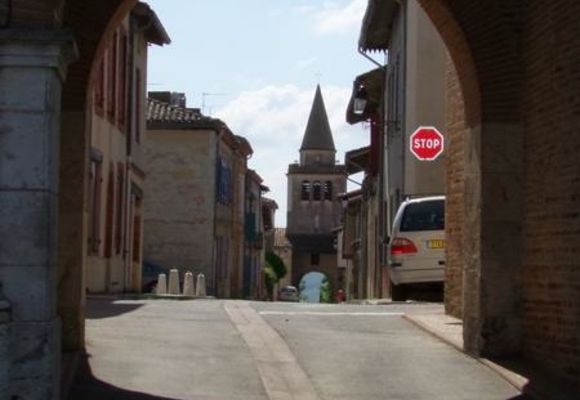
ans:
x=179 y=202
x=551 y=229
x=454 y=184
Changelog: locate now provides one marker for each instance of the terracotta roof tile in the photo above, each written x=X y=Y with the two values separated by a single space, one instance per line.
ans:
x=160 y=111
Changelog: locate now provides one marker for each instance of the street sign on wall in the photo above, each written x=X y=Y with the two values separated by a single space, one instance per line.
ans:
x=427 y=143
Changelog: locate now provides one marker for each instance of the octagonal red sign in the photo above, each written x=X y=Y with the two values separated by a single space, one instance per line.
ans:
x=427 y=143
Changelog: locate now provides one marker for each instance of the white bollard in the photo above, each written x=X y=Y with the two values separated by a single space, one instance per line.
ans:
x=200 y=286
x=188 y=284
x=161 y=284
x=173 y=286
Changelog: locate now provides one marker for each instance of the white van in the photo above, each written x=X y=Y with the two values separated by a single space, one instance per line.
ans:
x=417 y=245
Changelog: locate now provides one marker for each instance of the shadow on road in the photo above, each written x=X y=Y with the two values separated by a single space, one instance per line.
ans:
x=542 y=383
x=88 y=387
x=107 y=308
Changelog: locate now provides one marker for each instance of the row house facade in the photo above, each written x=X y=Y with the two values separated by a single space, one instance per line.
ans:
x=203 y=209
x=405 y=91
x=116 y=167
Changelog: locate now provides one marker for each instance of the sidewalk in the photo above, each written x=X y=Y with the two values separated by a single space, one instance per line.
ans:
x=531 y=381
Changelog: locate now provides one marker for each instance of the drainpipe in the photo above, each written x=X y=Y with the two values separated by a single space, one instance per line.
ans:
x=128 y=140
x=215 y=202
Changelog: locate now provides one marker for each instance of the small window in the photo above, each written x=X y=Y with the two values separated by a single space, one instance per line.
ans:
x=316 y=191
x=424 y=216
x=328 y=190
x=314 y=259
x=305 y=190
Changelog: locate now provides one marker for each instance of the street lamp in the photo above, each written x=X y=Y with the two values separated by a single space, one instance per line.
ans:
x=360 y=101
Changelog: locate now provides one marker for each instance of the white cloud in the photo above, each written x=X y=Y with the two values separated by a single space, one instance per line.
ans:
x=301 y=65
x=335 y=18
x=273 y=119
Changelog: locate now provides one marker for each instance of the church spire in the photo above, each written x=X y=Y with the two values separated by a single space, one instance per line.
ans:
x=318 y=135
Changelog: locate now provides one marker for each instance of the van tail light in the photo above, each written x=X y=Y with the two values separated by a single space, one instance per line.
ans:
x=400 y=246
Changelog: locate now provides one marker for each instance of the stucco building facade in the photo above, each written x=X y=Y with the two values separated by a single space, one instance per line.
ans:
x=191 y=217
x=116 y=169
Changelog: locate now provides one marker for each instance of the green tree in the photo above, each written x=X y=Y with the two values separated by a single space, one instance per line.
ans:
x=325 y=291
x=274 y=270
x=277 y=265
x=270 y=279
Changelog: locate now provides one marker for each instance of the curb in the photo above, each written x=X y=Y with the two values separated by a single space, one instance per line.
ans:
x=147 y=296
x=514 y=379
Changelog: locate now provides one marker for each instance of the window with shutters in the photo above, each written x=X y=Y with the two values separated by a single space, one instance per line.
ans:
x=112 y=78
x=95 y=183
x=120 y=202
x=137 y=233
x=122 y=80
x=138 y=105
x=224 y=182
x=99 y=89
x=110 y=219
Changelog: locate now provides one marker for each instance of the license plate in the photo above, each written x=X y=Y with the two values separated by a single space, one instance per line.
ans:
x=436 y=244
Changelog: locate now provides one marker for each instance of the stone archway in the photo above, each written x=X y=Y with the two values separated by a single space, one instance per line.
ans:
x=492 y=130
x=49 y=48
x=92 y=24
x=516 y=63
x=317 y=278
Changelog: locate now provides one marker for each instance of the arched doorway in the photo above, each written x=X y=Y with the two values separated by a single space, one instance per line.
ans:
x=315 y=287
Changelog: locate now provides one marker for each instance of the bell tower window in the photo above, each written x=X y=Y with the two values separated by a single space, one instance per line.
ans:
x=316 y=191
x=305 y=190
x=328 y=190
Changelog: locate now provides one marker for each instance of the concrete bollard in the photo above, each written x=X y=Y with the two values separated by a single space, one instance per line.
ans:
x=173 y=286
x=188 y=284
x=200 y=286
x=161 y=284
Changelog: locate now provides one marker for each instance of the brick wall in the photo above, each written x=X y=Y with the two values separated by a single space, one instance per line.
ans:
x=454 y=184
x=551 y=278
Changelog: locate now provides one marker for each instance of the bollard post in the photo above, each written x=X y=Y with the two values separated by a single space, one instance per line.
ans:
x=200 y=286
x=173 y=286
x=188 y=285
x=161 y=284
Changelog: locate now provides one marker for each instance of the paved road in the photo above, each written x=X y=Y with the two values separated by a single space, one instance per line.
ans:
x=209 y=350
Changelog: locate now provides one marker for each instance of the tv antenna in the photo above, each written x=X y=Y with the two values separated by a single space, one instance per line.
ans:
x=206 y=94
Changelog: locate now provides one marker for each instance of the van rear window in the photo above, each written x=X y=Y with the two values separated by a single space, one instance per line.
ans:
x=424 y=216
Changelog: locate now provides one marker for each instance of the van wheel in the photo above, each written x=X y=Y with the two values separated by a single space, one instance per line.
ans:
x=398 y=292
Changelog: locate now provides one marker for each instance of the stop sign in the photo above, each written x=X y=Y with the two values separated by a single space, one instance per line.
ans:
x=427 y=143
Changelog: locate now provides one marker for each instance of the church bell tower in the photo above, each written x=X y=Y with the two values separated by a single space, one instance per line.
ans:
x=313 y=207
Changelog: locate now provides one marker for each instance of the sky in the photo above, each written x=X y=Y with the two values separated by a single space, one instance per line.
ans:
x=255 y=64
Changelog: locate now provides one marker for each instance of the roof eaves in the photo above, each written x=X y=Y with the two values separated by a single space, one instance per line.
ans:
x=377 y=25
x=152 y=27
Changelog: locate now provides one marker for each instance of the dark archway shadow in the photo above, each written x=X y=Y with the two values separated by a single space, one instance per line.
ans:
x=542 y=383
x=88 y=387
x=107 y=308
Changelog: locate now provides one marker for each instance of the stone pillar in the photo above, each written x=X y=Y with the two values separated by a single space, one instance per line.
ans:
x=72 y=223
x=32 y=71
x=492 y=239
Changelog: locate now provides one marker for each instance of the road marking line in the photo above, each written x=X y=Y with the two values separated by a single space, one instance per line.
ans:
x=283 y=378
x=322 y=313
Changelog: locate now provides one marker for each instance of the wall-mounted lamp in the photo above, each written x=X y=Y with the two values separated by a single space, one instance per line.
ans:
x=360 y=101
